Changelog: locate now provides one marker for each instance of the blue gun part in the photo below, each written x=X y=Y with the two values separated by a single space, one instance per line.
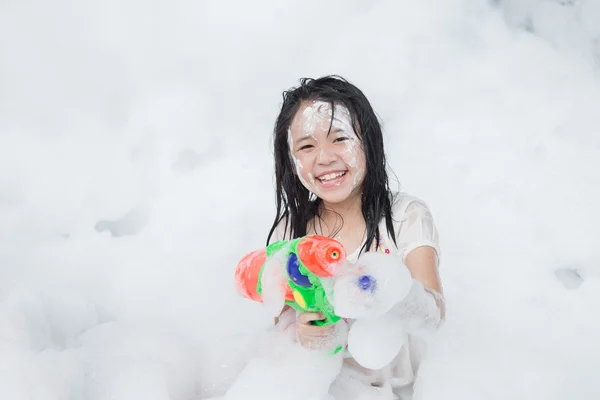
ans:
x=293 y=270
x=367 y=283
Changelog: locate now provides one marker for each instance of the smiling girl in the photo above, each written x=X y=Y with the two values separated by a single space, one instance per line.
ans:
x=331 y=180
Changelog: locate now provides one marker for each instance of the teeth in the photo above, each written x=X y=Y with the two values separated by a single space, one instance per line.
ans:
x=331 y=176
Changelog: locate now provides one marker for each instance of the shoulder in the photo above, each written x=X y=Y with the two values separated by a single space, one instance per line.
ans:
x=402 y=203
x=413 y=223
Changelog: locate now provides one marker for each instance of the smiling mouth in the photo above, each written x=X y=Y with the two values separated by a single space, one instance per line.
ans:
x=331 y=177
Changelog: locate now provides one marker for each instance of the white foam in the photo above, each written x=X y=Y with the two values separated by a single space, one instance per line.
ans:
x=496 y=128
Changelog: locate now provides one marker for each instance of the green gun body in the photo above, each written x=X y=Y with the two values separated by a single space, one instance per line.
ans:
x=306 y=263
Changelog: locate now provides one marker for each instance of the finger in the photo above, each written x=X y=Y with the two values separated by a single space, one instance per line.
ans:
x=315 y=330
x=313 y=343
x=307 y=317
x=316 y=342
x=310 y=316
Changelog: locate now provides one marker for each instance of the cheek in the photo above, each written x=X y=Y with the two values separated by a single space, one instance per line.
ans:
x=353 y=155
x=297 y=165
x=301 y=163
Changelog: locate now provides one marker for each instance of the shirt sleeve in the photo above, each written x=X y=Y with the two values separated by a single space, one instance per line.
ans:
x=416 y=227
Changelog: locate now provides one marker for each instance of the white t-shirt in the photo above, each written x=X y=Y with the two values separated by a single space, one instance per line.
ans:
x=414 y=227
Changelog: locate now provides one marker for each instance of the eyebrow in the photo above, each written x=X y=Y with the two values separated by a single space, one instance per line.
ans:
x=304 y=138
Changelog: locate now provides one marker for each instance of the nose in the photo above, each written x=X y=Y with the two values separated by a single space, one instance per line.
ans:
x=327 y=155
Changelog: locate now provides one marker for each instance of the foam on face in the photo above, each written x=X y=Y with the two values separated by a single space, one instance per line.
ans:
x=318 y=115
x=298 y=163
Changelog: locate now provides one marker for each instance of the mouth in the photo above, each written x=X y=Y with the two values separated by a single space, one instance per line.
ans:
x=331 y=178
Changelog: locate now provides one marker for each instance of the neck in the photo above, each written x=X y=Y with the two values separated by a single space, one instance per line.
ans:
x=350 y=209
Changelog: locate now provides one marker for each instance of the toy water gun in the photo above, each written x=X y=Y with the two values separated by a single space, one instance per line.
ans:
x=305 y=261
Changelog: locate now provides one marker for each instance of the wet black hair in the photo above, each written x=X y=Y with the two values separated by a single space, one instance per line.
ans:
x=295 y=208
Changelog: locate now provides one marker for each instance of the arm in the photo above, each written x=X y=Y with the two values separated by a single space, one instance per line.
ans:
x=423 y=310
x=422 y=263
x=276 y=319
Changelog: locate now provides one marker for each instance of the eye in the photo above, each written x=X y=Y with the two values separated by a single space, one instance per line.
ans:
x=340 y=139
x=306 y=147
x=335 y=254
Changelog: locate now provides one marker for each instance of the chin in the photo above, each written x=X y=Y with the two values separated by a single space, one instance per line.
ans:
x=335 y=196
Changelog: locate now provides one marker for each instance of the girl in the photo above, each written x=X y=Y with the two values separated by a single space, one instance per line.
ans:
x=331 y=180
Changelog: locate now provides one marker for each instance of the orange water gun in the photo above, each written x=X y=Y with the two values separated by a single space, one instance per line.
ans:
x=307 y=261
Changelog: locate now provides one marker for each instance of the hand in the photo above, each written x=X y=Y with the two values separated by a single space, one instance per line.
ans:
x=313 y=336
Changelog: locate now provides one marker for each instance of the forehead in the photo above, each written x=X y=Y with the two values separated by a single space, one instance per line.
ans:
x=315 y=116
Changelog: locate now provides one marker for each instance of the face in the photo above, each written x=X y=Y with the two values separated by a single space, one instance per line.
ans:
x=331 y=165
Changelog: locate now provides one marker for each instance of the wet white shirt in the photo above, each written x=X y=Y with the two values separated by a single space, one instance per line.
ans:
x=414 y=227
